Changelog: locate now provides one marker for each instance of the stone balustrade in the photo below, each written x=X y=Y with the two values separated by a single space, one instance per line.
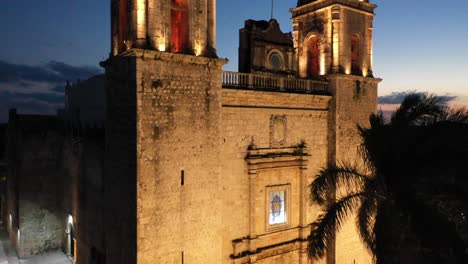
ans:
x=261 y=82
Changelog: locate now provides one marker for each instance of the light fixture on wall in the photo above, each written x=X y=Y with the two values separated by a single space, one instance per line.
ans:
x=10 y=222
x=70 y=219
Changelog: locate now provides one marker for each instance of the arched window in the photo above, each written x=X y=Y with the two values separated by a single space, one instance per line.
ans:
x=355 y=54
x=123 y=23
x=179 y=25
x=313 y=57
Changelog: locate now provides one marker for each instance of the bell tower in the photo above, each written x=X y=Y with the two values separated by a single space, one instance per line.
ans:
x=333 y=42
x=333 y=37
x=163 y=133
x=179 y=26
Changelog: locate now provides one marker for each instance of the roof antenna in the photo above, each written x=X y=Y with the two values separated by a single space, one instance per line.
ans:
x=272 y=6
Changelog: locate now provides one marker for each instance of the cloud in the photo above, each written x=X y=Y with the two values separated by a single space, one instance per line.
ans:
x=52 y=71
x=35 y=103
x=37 y=89
x=397 y=97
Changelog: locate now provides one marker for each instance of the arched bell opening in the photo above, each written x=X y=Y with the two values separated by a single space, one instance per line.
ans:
x=180 y=26
x=123 y=24
x=356 y=55
x=313 y=57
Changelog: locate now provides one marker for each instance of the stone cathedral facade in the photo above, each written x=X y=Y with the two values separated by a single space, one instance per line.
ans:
x=198 y=165
x=214 y=166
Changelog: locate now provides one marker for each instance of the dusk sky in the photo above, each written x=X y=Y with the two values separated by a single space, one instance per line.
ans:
x=418 y=45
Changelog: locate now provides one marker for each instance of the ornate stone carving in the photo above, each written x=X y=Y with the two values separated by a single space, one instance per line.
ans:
x=278 y=131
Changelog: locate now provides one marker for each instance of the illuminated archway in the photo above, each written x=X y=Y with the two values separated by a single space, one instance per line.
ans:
x=355 y=54
x=313 y=57
x=179 y=25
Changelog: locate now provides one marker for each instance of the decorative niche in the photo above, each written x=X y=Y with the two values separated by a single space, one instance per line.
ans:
x=278 y=131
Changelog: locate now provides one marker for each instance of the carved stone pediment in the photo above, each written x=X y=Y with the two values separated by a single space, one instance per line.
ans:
x=278 y=131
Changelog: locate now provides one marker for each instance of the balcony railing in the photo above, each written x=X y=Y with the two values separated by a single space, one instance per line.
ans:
x=249 y=81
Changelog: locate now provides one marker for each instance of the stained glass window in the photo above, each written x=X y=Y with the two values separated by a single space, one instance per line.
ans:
x=277 y=208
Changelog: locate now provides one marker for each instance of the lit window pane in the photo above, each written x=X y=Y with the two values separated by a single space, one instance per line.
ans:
x=277 y=208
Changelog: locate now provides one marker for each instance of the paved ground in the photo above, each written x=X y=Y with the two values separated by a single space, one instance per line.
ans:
x=8 y=254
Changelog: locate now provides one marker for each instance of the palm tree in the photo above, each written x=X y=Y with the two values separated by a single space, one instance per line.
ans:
x=413 y=167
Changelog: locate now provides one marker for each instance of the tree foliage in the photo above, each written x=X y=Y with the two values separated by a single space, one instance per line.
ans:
x=410 y=195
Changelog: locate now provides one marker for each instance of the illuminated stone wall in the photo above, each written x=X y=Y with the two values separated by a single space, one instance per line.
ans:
x=354 y=99
x=246 y=120
x=177 y=134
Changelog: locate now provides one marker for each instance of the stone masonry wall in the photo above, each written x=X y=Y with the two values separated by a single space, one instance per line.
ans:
x=178 y=148
x=39 y=219
x=246 y=115
x=355 y=98
x=83 y=197
x=120 y=161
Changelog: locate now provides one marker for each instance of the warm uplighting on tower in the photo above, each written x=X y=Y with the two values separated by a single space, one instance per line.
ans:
x=365 y=72
x=141 y=11
x=162 y=44
x=322 y=64
x=198 y=49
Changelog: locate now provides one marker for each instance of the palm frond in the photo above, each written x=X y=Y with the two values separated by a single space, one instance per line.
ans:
x=377 y=120
x=365 y=221
x=336 y=177
x=416 y=109
x=455 y=116
x=324 y=228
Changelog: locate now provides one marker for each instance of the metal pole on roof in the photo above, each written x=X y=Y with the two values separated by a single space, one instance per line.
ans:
x=272 y=6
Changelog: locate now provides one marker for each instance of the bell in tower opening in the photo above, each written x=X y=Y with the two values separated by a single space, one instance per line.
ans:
x=179 y=26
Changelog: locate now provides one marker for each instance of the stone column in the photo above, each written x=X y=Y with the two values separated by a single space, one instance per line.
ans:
x=114 y=27
x=336 y=28
x=252 y=227
x=138 y=24
x=155 y=24
x=370 y=32
x=211 y=30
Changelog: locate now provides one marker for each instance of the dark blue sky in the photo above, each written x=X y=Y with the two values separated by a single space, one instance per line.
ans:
x=418 y=45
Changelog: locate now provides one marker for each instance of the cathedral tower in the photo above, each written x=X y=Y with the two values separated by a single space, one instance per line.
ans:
x=333 y=37
x=179 y=26
x=333 y=41
x=163 y=133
